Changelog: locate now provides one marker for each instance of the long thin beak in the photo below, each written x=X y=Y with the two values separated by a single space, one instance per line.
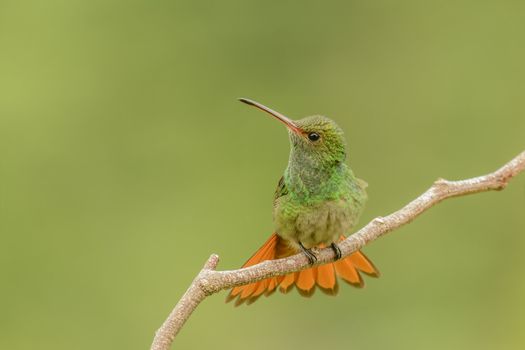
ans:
x=290 y=124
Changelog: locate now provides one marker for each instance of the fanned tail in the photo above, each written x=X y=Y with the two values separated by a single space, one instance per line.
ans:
x=323 y=276
x=253 y=291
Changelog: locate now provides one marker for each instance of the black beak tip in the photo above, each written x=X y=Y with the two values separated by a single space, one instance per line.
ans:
x=245 y=100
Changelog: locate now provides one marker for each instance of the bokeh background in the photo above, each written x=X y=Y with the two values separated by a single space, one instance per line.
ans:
x=126 y=160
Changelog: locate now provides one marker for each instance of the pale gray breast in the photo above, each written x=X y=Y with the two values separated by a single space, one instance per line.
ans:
x=323 y=223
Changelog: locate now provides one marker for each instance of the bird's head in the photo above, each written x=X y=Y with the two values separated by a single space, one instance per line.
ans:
x=317 y=137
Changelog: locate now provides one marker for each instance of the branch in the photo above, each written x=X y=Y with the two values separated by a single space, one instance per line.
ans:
x=209 y=281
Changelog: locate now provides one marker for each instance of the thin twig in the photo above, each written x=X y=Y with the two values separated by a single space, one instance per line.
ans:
x=209 y=281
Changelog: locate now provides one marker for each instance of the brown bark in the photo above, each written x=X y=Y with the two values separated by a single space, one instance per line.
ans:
x=210 y=281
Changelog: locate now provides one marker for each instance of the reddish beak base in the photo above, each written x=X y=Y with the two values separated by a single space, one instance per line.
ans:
x=290 y=124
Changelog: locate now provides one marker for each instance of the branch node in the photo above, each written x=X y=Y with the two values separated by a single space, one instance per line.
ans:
x=502 y=181
x=379 y=220
x=204 y=285
x=441 y=182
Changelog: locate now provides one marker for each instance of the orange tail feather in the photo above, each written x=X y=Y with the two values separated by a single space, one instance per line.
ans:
x=306 y=280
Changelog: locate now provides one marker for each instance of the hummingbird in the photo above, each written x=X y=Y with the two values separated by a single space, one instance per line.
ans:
x=317 y=201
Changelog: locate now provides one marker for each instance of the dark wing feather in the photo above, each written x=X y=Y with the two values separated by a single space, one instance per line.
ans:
x=281 y=189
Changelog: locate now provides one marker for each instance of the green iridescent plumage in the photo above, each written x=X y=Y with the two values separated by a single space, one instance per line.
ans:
x=318 y=197
x=317 y=202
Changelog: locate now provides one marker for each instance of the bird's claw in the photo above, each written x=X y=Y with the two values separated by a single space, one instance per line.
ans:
x=312 y=259
x=336 y=250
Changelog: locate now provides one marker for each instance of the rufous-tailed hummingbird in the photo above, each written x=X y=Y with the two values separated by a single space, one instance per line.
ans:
x=317 y=201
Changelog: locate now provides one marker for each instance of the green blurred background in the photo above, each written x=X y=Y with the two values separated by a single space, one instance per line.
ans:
x=126 y=160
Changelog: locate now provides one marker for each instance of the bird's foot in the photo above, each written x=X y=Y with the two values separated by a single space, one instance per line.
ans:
x=336 y=250
x=312 y=259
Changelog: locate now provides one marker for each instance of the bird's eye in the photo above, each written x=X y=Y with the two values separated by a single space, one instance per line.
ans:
x=313 y=136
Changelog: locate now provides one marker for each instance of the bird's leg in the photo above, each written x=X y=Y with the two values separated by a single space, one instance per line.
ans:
x=312 y=259
x=336 y=250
